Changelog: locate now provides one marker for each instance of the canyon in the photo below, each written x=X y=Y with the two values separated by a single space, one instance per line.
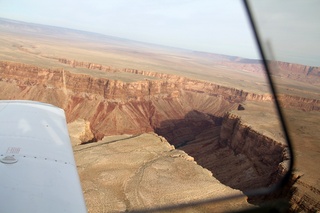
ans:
x=154 y=126
x=201 y=118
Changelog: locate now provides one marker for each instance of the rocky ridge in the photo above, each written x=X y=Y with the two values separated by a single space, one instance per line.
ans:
x=299 y=72
x=130 y=107
x=144 y=104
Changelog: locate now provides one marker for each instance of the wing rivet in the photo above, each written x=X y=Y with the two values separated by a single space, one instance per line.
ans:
x=9 y=160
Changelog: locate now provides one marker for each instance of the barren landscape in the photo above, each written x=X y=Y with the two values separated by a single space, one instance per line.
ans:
x=155 y=126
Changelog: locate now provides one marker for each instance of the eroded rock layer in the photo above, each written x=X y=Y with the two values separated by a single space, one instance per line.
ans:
x=264 y=153
x=299 y=72
x=116 y=107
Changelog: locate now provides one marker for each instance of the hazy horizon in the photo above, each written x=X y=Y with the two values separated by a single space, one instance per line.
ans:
x=206 y=26
x=110 y=36
x=219 y=27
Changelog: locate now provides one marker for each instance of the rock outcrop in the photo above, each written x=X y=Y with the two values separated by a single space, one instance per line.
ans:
x=81 y=132
x=266 y=154
x=257 y=159
x=132 y=172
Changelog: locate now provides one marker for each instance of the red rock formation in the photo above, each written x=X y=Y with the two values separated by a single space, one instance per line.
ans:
x=116 y=107
x=298 y=71
x=265 y=153
x=295 y=102
x=304 y=73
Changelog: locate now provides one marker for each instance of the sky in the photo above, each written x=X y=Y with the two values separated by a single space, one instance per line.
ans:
x=292 y=29
x=217 y=26
x=203 y=25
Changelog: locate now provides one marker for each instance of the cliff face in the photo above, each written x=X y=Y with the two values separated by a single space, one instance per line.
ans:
x=305 y=197
x=267 y=155
x=116 y=107
x=299 y=72
x=294 y=102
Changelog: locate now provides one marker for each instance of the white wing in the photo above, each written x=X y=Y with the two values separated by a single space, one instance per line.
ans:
x=37 y=167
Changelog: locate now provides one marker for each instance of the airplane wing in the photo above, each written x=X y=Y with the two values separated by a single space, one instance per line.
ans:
x=37 y=167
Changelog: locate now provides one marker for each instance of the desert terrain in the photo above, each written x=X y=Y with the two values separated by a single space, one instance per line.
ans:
x=154 y=126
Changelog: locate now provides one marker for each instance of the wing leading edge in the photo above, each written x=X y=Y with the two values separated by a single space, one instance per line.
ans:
x=38 y=171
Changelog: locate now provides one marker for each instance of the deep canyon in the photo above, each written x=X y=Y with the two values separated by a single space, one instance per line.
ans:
x=193 y=115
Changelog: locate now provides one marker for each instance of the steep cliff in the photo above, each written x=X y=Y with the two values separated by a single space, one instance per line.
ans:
x=266 y=154
x=299 y=72
x=116 y=107
x=257 y=159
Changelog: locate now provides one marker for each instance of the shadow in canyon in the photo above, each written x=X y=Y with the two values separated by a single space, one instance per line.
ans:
x=180 y=132
x=198 y=134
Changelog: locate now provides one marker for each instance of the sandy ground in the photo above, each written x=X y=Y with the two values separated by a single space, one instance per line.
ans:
x=144 y=171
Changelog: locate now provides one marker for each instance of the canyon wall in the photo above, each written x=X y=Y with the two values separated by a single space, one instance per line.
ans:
x=296 y=71
x=175 y=107
x=257 y=159
x=269 y=157
x=299 y=72
x=116 y=107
